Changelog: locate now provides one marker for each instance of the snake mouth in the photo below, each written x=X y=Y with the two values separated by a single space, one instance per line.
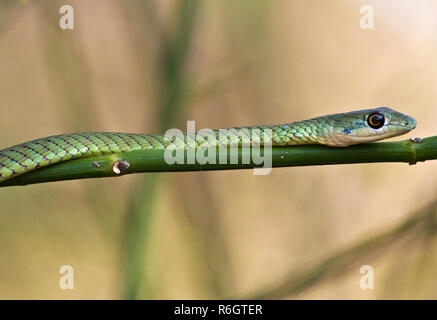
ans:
x=343 y=140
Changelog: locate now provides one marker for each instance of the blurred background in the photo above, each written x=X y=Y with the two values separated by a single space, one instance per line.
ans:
x=146 y=66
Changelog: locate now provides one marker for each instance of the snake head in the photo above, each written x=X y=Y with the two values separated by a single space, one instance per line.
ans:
x=369 y=125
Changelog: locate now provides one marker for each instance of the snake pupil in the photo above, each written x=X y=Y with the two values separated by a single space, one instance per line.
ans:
x=375 y=120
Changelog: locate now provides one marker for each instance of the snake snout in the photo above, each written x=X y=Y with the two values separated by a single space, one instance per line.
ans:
x=409 y=123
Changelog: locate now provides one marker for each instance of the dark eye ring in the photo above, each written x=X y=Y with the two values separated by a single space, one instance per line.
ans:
x=375 y=120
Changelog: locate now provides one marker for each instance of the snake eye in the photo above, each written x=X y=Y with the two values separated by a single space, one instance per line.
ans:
x=375 y=120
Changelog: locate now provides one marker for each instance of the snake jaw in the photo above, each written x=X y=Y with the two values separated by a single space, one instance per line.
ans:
x=344 y=140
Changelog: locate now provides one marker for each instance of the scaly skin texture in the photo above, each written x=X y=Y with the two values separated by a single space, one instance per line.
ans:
x=337 y=130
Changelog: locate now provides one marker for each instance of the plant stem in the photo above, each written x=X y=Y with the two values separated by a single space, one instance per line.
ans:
x=308 y=155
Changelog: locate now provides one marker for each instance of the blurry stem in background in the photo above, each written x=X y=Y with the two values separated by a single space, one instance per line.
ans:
x=174 y=53
x=422 y=270
x=174 y=58
x=138 y=219
x=307 y=277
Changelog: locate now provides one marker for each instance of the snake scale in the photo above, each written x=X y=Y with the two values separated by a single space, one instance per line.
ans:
x=336 y=130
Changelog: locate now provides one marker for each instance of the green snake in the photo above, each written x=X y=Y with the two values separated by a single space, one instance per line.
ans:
x=335 y=130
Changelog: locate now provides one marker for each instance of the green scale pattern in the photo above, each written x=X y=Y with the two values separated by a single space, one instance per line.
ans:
x=28 y=156
x=43 y=152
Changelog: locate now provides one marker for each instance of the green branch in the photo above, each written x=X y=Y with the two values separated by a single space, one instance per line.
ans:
x=309 y=155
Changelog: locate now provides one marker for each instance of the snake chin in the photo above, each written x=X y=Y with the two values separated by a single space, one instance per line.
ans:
x=339 y=139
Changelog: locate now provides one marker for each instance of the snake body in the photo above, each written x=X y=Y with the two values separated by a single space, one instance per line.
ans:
x=336 y=130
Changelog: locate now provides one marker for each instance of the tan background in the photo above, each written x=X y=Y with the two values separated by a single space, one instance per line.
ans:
x=215 y=234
